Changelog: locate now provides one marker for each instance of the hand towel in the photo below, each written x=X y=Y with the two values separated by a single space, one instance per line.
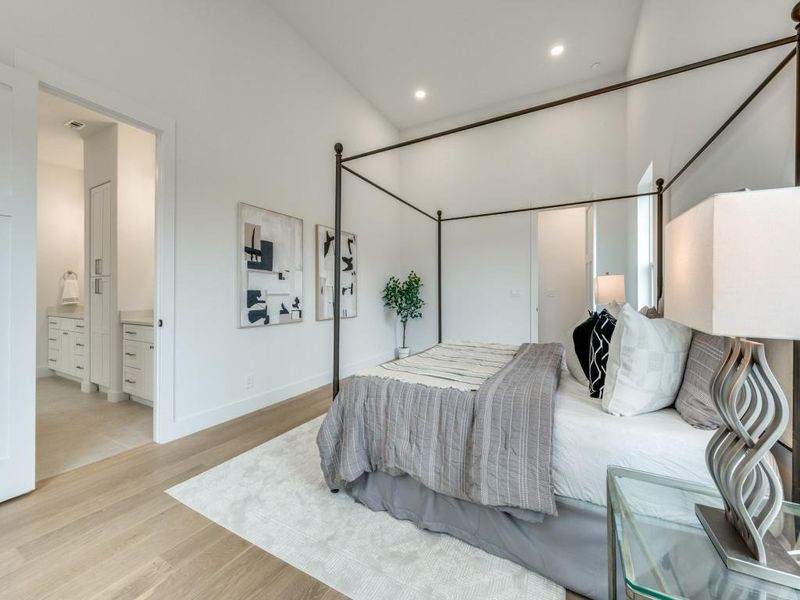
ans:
x=70 y=294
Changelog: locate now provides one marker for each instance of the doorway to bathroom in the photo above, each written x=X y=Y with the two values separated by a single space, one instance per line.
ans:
x=96 y=197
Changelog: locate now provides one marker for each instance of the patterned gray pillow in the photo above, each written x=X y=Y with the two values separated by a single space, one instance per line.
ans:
x=694 y=401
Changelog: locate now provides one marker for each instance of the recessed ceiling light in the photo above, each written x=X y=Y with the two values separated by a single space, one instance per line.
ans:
x=420 y=94
x=557 y=50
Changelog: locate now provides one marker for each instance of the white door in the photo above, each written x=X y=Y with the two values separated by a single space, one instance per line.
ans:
x=18 y=94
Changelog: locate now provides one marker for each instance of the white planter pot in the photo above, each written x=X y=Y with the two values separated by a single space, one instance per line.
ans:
x=403 y=352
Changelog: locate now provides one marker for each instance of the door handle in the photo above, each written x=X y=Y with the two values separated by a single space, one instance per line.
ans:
x=98 y=289
x=98 y=263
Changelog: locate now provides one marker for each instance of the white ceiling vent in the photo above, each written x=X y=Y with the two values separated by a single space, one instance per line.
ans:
x=74 y=124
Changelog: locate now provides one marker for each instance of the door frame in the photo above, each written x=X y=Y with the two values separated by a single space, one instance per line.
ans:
x=55 y=80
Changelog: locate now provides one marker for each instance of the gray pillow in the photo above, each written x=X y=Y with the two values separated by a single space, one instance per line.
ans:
x=694 y=401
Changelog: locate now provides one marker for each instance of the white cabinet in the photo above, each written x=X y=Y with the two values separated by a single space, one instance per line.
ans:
x=100 y=331
x=101 y=227
x=66 y=346
x=138 y=362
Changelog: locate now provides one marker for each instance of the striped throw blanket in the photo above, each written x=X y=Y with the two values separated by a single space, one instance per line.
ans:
x=461 y=365
x=482 y=432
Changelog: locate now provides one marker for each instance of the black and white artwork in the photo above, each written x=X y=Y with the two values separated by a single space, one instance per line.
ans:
x=348 y=289
x=271 y=267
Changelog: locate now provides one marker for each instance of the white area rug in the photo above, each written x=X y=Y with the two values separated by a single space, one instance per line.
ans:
x=274 y=496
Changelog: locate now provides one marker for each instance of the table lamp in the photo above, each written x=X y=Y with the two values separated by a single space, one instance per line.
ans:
x=732 y=268
x=610 y=288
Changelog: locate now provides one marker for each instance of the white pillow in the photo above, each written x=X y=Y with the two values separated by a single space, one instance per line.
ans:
x=573 y=364
x=646 y=359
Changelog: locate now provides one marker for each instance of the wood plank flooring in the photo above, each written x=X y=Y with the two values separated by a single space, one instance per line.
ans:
x=108 y=530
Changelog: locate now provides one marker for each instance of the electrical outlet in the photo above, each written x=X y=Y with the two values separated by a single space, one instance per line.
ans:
x=249 y=381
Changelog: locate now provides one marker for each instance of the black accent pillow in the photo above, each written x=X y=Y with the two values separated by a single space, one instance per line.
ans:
x=581 y=339
x=599 y=343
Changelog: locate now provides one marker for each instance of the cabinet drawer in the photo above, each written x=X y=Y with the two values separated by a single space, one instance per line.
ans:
x=52 y=358
x=53 y=339
x=80 y=344
x=133 y=354
x=54 y=322
x=137 y=333
x=78 y=325
x=133 y=381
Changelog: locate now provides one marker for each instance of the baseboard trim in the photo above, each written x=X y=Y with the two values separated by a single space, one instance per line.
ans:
x=116 y=396
x=203 y=420
x=44 y=372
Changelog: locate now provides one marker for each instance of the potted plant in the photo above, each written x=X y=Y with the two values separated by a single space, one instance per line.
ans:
x=403 y=297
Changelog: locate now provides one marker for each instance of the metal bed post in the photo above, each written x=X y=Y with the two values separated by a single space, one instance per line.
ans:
x=796 y=343
x=660 y=250
x=337 y=272
x=439 y=271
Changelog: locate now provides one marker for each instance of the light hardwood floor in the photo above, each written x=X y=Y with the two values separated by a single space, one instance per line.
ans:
x=108 y=530
x=75 y=429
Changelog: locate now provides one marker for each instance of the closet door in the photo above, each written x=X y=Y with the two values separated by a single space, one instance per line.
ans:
x=100 y=202
x=18 y=99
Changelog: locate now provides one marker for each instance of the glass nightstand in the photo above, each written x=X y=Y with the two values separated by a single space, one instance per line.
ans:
x=665 y=552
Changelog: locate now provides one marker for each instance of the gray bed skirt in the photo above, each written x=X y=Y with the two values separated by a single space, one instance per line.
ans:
x=569 y=549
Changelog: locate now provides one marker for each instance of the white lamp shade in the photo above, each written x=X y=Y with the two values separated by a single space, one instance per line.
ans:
x=732 y=265
x=610 y=288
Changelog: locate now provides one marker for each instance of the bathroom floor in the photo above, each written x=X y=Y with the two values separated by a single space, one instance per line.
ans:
x=74 y=429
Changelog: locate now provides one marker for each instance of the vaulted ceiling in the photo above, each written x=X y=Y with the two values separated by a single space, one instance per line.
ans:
x=466 y=54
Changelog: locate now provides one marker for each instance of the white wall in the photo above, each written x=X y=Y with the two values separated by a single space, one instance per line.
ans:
x=59 y=247
x=568 y=153
x=136 y=169
x=670 y=119
x=562 y=272
x=257 y=112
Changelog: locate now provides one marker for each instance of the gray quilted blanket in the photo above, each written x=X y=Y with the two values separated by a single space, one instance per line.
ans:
x=492 y=446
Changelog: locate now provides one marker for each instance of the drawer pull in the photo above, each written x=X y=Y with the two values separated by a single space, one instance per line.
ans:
x=131 y=381
x=79 y=345
x=130 y=333
x=79 y=368
x=152 y=347
x=78 y=326
x=53 y=339
x=65 y=333
x=130 y=354
x=51 y=360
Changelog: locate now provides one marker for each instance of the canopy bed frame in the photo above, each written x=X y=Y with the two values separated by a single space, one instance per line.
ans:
x=661 y=188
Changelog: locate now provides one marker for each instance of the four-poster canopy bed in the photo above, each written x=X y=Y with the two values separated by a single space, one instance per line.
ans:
x=453 y=504
x=661 y=188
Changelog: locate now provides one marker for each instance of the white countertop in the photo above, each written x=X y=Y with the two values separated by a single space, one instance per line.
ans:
x=137 y=317
x=66 y=312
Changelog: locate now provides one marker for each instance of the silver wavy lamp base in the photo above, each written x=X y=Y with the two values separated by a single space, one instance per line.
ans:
x=754 y=413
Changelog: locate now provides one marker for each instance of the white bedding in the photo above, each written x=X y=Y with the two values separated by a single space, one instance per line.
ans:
x=586 y=440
